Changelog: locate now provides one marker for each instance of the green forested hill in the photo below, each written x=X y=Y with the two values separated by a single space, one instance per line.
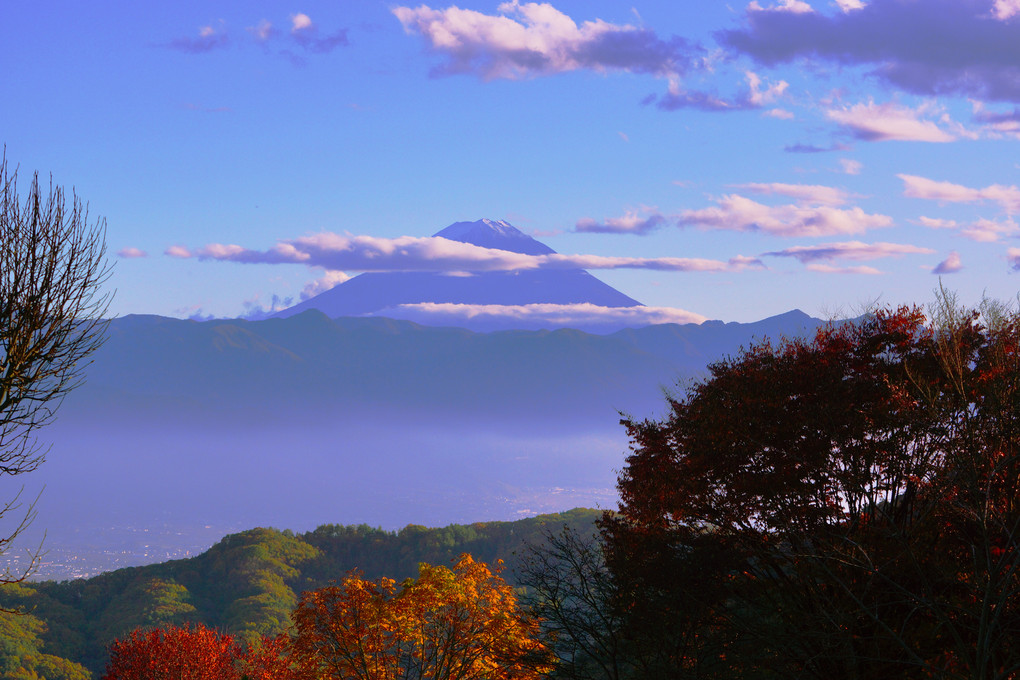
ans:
x=248 y=583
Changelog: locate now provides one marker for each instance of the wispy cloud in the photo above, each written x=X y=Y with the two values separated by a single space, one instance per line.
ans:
x=177 y=251
x=207 y=40
x=1013 y=256
x=830 y=269
x=947 y=192
x=804 y=193
x=738 y=213
x=306 y=33
x=630 y=223
x=407 y=253
x=812 y=148
x=130 y=253
x=263 y=31
x=889 y=122
x=543 y=315
x=328 y=280
x=756 y=95
x=937 y=223
x=990 y=231
x=849 y=250
x=850 y=166
x=936 y=47
x=791 y=6
x=950 y=265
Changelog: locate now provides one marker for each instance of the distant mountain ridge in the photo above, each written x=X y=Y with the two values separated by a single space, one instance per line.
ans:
x=309 y=363
x=375 y=292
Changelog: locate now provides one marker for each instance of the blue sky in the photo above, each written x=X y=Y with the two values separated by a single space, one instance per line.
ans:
x=735 y=161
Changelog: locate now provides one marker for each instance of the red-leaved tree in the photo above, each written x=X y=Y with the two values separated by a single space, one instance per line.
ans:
x=195 y=653
x=839 y=507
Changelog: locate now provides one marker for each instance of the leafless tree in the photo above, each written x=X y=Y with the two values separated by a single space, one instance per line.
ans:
x=52 y=267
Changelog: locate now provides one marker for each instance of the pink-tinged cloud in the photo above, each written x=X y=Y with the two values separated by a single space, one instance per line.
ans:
x=791 y=6
x=830 y=269
x=631 y=223
x=996 y=124
x=306 y=33
x=407 y=253
x=1005 y=9
x=849 y=5
x=850 y=166
x=1013 y=255
x=737 y=213
x=888 y=122
x=177 y=251
x=754 y=96
x=534 y=39
x=545 y=314
x=990 y=231
x=325 y=282
x=130 y=253
x=803 y=193
x=937 y=223
x=947 y=192
x=208 y=39
x=935 y=47
x=849 y=250
x=950 y=265
x=263 y=31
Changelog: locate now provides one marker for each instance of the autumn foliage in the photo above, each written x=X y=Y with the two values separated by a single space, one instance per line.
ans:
x=462 y=624
x=840 y=507
x=194 y=653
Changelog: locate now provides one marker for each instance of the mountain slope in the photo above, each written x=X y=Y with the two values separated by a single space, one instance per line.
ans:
x=374 y=292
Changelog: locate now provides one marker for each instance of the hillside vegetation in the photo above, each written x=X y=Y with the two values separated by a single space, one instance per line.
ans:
x=245 y=585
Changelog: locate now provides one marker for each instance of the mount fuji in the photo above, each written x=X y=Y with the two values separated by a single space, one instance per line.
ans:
x=402 y=294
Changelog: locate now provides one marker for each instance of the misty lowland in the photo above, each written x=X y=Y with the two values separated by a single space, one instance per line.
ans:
x=510 y=340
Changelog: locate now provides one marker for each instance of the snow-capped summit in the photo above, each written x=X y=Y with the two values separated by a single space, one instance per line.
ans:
x=381 y=293
x=495 y=234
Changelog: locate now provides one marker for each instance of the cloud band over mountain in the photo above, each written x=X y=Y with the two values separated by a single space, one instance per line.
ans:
x=335 y=252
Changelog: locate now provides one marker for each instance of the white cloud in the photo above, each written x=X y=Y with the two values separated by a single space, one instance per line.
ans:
x=937 y=223
x=1013 y=255
x=849 y=250
x=630 y=223
x=262 y=31
x=544 y=314
x=177 y=251
x=756 y=96
x=131 y=253
x=1005 y=9
x=300 y=22
x=792 y=6
x=989 y=231
x=849 y=5
x=407 y=253
x=325 y=282
x=830 y=269
x=781 y=114
x=850 y=166
x=921 y=187
x=737 y=213
x=530 y=39
x=950 y=265
x=803 y=193
x=889 y=122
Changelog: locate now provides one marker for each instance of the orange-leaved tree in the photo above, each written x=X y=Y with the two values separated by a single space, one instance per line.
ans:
x=195 y=653
x=463 y=623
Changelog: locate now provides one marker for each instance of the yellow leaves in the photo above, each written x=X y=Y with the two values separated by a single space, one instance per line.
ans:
x=463 y=623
